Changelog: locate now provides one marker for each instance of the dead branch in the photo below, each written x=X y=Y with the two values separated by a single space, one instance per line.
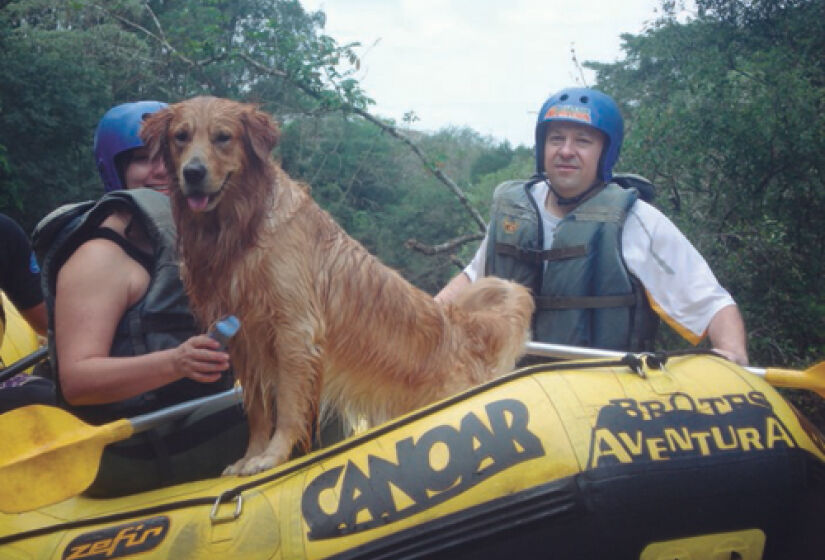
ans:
x=447 y=246
x=577 y=65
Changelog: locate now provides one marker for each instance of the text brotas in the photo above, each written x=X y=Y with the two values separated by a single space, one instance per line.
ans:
x=629 y=431
x=392 y=490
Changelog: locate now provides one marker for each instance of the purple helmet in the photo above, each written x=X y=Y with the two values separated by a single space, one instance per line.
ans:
x=117 y=132
x=586 y=106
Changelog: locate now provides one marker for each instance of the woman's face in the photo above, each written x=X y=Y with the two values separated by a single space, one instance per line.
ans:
x=141 y=171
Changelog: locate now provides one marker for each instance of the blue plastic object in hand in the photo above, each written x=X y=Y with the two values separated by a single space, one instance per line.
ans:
x=225 y=329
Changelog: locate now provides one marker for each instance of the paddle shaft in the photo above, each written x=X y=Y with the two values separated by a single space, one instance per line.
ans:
x=547 y=350
x=579 y=352
x=151 y=419
x=812 y=379
x=23 y=363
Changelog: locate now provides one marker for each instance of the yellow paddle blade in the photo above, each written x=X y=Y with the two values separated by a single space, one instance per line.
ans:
x=812 y=378
x=49 y=455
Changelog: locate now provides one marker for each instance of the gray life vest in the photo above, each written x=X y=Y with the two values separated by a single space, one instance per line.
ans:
x=585 y=296
x=160 y=320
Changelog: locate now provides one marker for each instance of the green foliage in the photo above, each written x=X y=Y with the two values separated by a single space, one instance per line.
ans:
x=725 y=114
x=284 y=42
x=50 y=103
x=381 y=194
x=65 y=62
x=269 y=51
x=521 y=165
x=349 y=165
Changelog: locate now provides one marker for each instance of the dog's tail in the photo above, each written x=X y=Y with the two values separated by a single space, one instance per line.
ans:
x=500 y=312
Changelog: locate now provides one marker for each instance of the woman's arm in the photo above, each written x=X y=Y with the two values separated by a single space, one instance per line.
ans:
x=95 y=287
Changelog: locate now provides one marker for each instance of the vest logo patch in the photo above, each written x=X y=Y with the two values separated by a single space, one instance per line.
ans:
x=572 y=112
x=509 y=226
x=119 y=541
x=442 y=463
x=628 y=431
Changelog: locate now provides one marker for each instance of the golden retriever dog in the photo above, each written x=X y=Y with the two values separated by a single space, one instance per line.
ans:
x=322 y=320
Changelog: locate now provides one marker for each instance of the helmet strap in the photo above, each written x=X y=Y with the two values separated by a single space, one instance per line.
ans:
x=570 y=201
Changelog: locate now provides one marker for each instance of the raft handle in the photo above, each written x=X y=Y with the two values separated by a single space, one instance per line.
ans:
x=635 y=363
x=213 y=515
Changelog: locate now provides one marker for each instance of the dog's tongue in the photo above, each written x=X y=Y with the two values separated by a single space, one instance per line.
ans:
x=197 y=203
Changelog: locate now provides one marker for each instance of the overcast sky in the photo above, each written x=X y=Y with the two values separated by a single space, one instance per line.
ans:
x=487 y=64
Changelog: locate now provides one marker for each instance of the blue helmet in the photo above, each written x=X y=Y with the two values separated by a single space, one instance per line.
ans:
x=586 y=106
x=117 y=132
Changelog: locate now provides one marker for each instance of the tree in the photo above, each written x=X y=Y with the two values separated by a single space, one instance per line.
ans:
x=51 y=98
x=380 y=193
x=51 y=101
x=350 y=167
x=725 y=114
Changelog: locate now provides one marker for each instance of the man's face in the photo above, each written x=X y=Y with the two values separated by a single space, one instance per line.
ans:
x=571 y=156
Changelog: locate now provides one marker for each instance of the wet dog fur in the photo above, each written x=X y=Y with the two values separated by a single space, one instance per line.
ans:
x=323 y=321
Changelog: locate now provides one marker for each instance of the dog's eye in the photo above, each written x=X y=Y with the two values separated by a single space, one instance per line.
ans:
x=223 y=137
x=181 y=136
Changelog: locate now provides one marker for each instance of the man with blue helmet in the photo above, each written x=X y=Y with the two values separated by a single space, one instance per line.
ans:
x=603 y=264
x=123 y=341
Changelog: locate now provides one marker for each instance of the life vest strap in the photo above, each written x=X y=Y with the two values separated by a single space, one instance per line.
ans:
x=584 y=302
x=533 y=256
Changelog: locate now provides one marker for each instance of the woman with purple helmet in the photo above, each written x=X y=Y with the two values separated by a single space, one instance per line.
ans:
x=604 y=265
x=124 y=340
x=119 y=149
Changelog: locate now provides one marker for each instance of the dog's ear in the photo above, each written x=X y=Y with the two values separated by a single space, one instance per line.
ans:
x=155 y=132
x=262 y=133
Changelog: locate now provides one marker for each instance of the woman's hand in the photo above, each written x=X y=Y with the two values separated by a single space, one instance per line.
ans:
x=200 y=359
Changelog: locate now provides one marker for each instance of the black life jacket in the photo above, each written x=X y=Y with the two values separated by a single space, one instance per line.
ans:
x=585 y=296
x=160 y=320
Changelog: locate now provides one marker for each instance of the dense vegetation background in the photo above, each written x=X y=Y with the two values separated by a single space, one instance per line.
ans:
x=725 y=112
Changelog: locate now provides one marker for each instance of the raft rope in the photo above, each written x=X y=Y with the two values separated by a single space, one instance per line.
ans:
x=635 y=362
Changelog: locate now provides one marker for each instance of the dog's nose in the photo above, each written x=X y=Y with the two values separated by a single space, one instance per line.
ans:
x=194 y=172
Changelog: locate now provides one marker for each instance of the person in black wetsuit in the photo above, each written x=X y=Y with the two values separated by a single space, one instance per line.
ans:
x=20 y=275
x=20 y=281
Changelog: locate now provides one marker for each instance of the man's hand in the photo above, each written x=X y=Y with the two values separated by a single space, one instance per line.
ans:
x=726 y=332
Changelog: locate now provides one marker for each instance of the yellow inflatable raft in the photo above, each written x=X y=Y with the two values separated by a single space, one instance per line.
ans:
x=695 y=459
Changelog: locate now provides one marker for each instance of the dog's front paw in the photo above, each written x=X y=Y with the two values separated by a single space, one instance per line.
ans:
x=235 y=468
x=260 y=463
